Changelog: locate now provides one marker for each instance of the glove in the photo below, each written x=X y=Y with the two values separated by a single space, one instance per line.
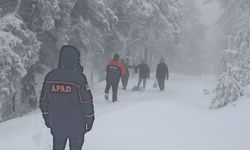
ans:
x=89 y=123
x=46 y=120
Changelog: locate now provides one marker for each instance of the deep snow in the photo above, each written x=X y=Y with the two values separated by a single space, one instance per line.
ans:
x=177 y=119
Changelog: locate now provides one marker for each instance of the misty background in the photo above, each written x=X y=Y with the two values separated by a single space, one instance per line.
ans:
x=196 y=37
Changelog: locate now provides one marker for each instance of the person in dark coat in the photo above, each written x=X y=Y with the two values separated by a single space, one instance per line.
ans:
x=125 y=78
x=66 y=101
x=162 y=74
x=144 y=73
x=115 y=71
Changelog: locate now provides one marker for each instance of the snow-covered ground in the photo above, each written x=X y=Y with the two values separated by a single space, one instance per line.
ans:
x=176 y=119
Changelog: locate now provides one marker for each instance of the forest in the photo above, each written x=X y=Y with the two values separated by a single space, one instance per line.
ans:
x=32 y=33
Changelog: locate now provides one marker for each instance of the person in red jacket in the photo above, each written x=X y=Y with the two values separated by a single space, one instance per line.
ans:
x=114 y=70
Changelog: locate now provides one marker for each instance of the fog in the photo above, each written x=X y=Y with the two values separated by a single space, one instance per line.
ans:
x=130 y=74
x=193 y=37
x=210 y=14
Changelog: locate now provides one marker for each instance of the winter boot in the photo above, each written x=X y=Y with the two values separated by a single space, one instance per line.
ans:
x=106 y=96
x=114 y=100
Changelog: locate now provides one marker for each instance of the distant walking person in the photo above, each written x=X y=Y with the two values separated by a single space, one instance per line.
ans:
x=66 y=101
x=162 y=74
x=125 y=78
x=115 y=71
x=144 y=73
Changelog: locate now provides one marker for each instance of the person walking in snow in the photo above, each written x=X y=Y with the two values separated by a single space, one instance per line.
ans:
x=66 y=101
x=125 y=78
x=115 y=70
x=162 y=74
x=144 y=73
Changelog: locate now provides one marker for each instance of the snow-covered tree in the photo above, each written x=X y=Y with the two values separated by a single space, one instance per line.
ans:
x=18 y=52
x=83 y=23
x=235 y=71
x=146 y=26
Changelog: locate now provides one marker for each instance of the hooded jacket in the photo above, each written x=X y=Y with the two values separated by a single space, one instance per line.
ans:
x=66 y=98
x=115 y=70
x=162 y=71
x=144 y=71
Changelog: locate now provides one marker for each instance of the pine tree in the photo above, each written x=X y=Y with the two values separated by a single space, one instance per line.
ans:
x=146 y=26
x=83 y=23
x=18 y=52
x=235 y=70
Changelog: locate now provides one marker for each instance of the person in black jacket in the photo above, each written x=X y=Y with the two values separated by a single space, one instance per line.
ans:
x=115 y=70
x=125 y=78
x=144 y=73
x=162 y=74
x=66 y=101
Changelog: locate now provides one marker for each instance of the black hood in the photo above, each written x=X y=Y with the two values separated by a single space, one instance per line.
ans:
x=69 y=57
x=116 y=57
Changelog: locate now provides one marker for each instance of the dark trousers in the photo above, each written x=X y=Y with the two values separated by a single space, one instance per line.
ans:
x=161 y=83
x=140 y=81
x=74 y=143
x=124 y=81
x=114 y=90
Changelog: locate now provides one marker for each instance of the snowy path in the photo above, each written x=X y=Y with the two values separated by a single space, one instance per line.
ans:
x=178 y=119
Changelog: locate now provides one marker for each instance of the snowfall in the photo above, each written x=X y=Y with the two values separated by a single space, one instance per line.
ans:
x=176 y=119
